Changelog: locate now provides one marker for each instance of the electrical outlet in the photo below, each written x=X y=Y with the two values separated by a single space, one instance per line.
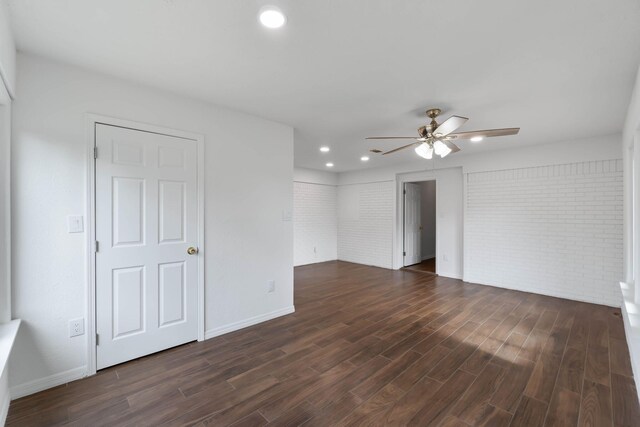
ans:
x=76 y=327
x=75 y=224
x=445 y=258
x=271 y=286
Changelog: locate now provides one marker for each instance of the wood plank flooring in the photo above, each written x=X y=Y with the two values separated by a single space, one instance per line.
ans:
x=369 y=346
x=426 y=266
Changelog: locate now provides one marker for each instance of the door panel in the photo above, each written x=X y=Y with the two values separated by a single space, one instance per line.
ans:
x=171 y=211
x=172 y=293
x=412 y=235
x=146 y=218
x=128 y=301
x=128 y=211
x=126 y=152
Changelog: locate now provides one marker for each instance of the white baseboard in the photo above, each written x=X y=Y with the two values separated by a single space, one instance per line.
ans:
x=247 y=322
x=449 y=275
x=315 y=262
x=547 y=292
x=60 y=378
x=54 y=380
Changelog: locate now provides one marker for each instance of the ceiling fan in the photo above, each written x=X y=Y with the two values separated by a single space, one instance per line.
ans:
x=437 y=138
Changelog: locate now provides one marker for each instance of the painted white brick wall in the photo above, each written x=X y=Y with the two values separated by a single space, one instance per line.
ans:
x=365 y=223
x=315 y=223
x=554 y=230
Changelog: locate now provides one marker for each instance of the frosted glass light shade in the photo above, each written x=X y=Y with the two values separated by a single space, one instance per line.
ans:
x=424 y=150
x=441 y=149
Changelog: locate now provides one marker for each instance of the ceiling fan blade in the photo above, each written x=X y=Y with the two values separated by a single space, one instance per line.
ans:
x=391 y=137
x=449 y=125
x=485 y=133
x=454 y=148
x=401 y=148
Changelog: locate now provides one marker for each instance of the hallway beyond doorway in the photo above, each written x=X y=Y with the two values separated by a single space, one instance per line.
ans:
x=426 y=266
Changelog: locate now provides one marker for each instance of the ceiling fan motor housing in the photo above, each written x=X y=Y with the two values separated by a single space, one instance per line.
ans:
x=433 y=113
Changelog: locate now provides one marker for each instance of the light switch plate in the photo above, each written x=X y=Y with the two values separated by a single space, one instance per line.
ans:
x=75 y=224
x=286 y=215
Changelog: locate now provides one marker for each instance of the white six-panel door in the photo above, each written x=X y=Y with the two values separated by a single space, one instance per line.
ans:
x=146 y=220
x=412 y=225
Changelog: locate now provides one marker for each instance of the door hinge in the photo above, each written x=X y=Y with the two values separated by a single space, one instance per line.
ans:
x=97 y=246
x=404 y=254
x=404 y=191
x=95 y=152
x=97 y=339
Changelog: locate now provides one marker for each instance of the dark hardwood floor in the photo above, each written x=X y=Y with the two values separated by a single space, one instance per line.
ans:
x=377 y=347
x=426 y=266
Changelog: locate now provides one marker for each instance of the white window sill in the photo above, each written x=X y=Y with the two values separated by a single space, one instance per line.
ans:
x=8 y=332
x=631 y=317
x=630 y=307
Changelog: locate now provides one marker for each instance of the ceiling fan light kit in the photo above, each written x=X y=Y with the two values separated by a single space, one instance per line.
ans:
x=424 y=150
x=440 y=149
x=437 y=138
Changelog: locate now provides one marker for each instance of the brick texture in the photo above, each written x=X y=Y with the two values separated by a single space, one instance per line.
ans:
x=365 y=223
x=315 y=223
x=553 y=230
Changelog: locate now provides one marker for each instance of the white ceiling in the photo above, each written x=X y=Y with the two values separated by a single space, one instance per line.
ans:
x=342 y=70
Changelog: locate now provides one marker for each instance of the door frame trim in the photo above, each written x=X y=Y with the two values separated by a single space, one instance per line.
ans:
x=398 y=220
x=91 y=310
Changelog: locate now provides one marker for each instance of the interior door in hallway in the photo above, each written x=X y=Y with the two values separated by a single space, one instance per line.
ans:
x=412 y=226
x=147 y=232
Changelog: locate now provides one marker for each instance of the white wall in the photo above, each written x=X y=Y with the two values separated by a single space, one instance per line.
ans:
x=370 y=225
x=449 y=226
x=5 y=206
x=365 y=220
x=315 y=216
x=450 y=173
x=7 y=80
x=312 y=176
x=7 y=83
x=248 y=191
x=631 y=285
x=5 y=237
x=315 y=227
x=7 y=51
x=428 y=219
x=553 y=230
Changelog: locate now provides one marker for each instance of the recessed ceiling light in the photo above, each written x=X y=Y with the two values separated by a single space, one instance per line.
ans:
x=325 y=149
x=272 y=17
x=364 y=158
x=329 y=165
x=477 y=139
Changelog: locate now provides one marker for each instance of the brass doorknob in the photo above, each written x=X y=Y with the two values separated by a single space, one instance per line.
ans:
x=192 y=250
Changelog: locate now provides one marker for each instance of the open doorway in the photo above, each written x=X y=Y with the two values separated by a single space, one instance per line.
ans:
x=419 y=228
